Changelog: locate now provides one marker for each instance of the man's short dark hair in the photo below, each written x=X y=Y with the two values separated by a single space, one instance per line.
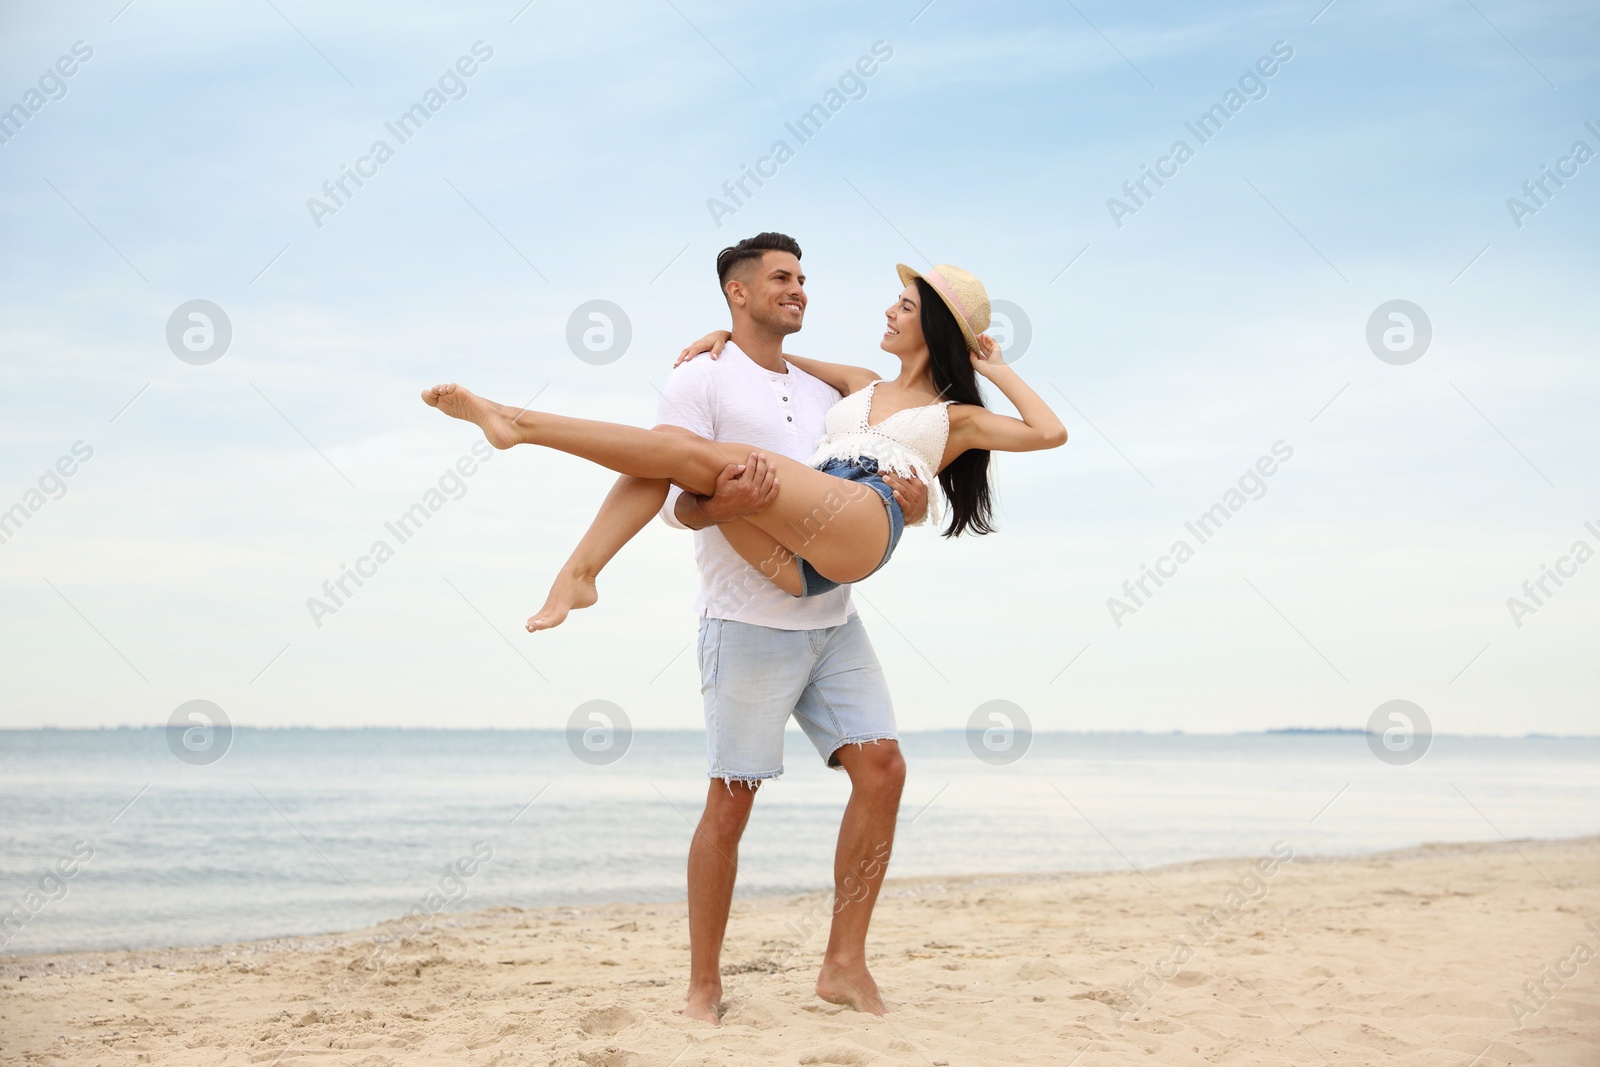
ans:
x=752 y=248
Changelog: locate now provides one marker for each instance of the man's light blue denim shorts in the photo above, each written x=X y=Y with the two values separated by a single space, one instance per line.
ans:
x=754 y=677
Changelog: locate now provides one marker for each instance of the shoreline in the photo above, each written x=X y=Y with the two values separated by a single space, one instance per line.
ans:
x=80 y=961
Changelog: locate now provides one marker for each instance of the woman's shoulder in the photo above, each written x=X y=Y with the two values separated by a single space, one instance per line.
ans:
x=962 y=414
x=860 y=379
x=859 y=395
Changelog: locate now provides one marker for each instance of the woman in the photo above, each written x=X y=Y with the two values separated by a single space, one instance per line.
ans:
x=836 y=520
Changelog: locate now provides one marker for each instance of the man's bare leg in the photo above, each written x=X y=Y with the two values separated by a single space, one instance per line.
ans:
x=866 y=835
x=713 y=867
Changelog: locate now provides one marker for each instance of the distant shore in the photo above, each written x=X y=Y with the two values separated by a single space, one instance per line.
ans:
x=1264 y=731
x=1434 y=954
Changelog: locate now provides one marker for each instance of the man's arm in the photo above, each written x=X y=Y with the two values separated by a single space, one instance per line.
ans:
x=688 y=402
x=742 y=489
x=689 y=510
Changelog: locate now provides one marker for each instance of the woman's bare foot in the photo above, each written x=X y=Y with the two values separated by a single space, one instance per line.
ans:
x=852 y=987
x=461 y=403
x=570 y=591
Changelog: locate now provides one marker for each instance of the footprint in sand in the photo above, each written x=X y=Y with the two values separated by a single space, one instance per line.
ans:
x=1036 y=971
x=850 y=1057
x=603 y=1022
x=610 y=1056
x=1190 y=979
x=754 y=1014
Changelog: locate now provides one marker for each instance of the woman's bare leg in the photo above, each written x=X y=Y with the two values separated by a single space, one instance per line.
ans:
x=763 y=552
x=628 y=508
x=841 y=527
x=686 y=459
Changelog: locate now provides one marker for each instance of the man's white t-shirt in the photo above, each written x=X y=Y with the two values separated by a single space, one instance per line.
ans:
x=735 y=399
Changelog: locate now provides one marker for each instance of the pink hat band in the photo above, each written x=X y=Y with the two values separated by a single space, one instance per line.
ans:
x=936 y=280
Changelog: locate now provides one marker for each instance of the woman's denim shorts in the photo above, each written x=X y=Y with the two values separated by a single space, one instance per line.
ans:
x=864 y=471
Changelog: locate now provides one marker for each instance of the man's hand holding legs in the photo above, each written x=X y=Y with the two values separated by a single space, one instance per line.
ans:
x=742 y=489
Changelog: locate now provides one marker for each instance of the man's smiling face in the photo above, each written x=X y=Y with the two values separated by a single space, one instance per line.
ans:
x=775 y=294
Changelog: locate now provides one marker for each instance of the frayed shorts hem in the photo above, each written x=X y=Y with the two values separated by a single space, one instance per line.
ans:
x=858 y=741
x=744 y=779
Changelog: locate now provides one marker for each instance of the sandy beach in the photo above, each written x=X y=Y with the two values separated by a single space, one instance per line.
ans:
x=1448 y=955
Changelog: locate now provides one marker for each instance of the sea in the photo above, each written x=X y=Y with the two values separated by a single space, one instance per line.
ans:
x=310 y=831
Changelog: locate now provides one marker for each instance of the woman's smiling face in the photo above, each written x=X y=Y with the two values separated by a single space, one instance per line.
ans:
x=903 y=335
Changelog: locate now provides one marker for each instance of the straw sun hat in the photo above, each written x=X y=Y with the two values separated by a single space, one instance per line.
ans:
x=963 y=294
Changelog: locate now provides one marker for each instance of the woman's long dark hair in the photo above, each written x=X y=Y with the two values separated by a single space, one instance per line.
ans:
x=966 y=480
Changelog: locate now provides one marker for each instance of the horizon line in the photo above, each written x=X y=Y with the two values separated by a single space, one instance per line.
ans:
x=1359 y=731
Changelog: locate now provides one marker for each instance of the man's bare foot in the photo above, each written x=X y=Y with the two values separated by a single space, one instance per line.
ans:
x=852 y=987
x=461 y=403
x=569 y=593
x=705 y=1006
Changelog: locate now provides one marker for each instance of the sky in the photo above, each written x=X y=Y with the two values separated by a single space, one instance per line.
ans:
x=1232 y=319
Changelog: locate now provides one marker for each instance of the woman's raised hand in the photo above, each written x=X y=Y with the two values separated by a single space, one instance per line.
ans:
x=711 y=342
x=988 y=355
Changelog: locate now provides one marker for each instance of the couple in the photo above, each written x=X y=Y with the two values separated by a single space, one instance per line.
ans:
x=779 y=537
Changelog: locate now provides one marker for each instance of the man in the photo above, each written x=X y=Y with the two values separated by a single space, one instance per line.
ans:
x=765 y=655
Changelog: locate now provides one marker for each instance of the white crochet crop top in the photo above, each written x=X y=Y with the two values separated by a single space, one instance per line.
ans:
x=910 y=442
